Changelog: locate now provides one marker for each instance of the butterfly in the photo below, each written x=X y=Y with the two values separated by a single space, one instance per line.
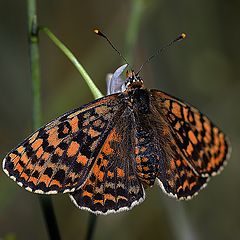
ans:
x=107 y=152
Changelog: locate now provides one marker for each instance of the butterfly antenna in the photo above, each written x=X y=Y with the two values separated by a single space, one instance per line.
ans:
x=99 y=33
x=179 y=38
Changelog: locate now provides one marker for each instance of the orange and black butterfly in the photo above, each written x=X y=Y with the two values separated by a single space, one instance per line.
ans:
x=108 y=151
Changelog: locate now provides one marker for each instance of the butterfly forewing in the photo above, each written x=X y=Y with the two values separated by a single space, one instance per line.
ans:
x=203 y=144
x=59 y=156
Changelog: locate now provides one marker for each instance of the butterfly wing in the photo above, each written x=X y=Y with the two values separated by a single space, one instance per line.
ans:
x=198 y=149
x=113 y=184
x=59 y=156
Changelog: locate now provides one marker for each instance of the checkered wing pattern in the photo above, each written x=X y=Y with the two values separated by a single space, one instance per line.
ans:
x=59 y=156
x=195 y=148
x=113 y=184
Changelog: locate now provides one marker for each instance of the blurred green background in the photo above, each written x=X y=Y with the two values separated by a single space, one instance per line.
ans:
x=203 y=70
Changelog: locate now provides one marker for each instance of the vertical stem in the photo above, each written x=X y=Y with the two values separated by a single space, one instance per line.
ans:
x=133 y=28
x=91 y=226
x=50 y=218
x=34 y=62
x=182 y=228
x=46 y=203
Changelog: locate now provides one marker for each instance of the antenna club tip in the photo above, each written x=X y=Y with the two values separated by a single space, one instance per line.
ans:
x=183 y=35
x=98 y=32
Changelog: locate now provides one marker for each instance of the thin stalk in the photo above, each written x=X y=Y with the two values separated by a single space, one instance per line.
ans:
x=182 y=228
x=46 y=203
x=34 y=62
x=133 y=28
x=94 y=89
x=91 y=226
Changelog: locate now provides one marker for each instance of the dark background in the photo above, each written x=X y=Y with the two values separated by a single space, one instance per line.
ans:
x=203 y=70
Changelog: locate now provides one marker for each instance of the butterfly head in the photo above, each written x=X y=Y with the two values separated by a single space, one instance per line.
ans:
x=133 y=80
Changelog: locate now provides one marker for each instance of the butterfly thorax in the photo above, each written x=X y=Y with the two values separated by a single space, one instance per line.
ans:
x=136 y=93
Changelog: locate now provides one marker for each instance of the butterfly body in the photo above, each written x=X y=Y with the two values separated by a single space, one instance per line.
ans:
x=107 y=152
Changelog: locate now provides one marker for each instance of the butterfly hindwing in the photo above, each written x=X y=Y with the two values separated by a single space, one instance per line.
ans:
x=177 y=178
x=58 y=157
x=113 y=184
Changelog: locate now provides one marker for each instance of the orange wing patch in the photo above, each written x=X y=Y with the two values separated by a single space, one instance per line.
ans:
x=204 y=145
x=199 y=148
x=58 y=157
x=112 y=184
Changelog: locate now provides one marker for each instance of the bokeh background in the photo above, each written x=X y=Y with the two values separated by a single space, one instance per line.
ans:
x=203 y=70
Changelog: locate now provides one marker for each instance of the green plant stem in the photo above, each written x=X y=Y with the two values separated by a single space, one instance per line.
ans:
x=133 y=28
x=95 y=91
x=34 y=62
x=91 y=226
x=45 y=201
x=182 y=227
x=50 y=217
